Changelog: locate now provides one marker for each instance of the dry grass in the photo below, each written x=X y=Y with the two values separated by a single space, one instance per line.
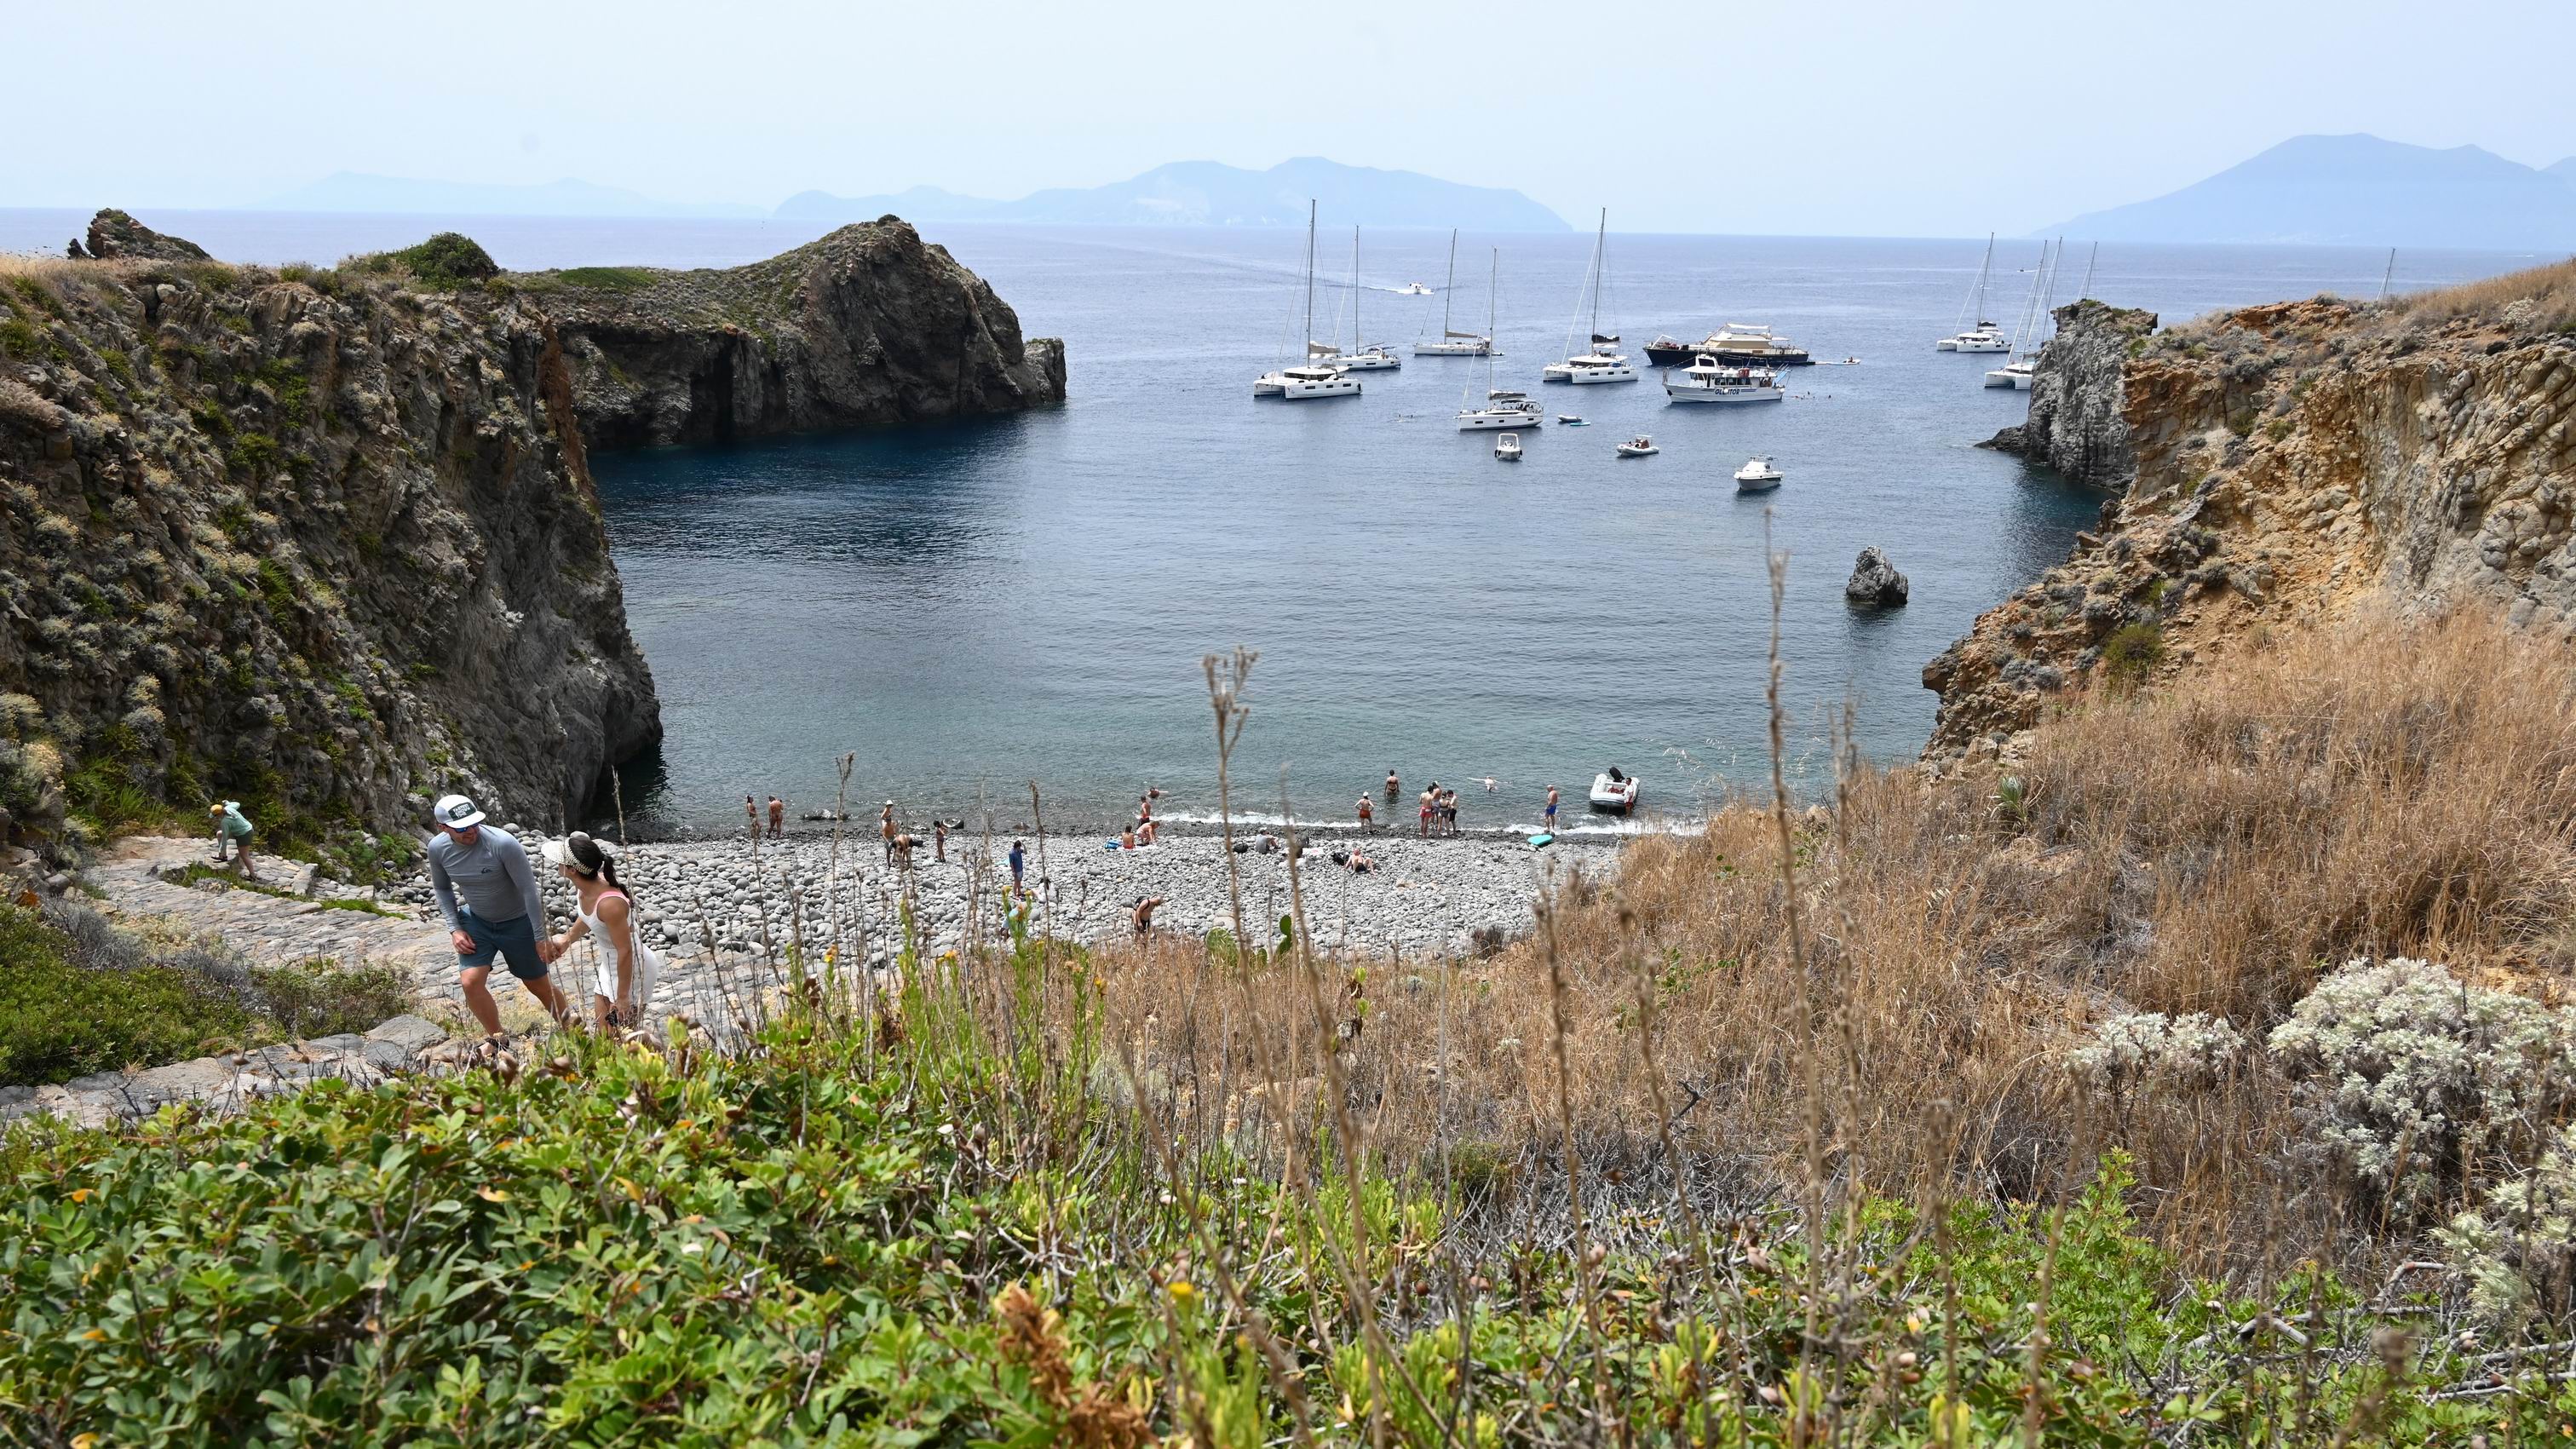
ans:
x=2551 y=289
x=2376 y=789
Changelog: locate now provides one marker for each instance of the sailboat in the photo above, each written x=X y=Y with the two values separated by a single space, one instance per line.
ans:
x=1310 y=379
x=2031 y=331
x=1362 y=357
x=1986 y=336
x=1454 y=343
x=1603 y=361
x=1502 y=409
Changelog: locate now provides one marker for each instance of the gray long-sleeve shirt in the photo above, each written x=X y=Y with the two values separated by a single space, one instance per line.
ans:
x=491 y=877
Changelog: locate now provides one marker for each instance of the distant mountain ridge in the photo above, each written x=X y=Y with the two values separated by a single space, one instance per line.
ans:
x=2356 y=190
x=1211 y=193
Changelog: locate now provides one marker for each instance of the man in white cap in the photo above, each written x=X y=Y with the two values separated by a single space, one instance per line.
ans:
x=488 y=894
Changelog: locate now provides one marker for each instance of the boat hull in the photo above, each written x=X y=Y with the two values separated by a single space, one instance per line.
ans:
x=1493 y=422
x=1721 y=395
x=1367 y=361
x=1309 y=391
x=2007 y=377
x=1681 y=356
x=1756 y=485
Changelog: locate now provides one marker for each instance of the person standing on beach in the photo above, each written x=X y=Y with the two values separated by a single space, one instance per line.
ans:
x=1427 y=797
x=939 y=841
x=777 y=818
x=488 y=895
x=885 y=828
x=1019 y=862
x=1551 y=809
x=1366 y=813
x=232 y=825
x=751 y=812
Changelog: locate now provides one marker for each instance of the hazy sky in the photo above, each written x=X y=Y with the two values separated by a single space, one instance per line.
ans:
x=1859 y=117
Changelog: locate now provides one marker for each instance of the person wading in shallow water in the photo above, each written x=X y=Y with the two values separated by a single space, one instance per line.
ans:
x=1394 y=786
x=488 y=894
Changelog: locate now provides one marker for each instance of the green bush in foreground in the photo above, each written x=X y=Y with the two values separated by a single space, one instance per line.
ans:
x=60 y=1020
x=856 y=1234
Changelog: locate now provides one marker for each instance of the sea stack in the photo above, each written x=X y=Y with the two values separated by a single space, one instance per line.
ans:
x=1875 y=582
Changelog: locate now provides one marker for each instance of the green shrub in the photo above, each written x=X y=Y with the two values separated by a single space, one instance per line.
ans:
x=321 y=997
x=60 y=1020
x=2132 y=653
x=608 y=279
x=446 y=262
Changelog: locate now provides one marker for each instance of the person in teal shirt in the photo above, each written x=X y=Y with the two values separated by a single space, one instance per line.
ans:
x=231 y=825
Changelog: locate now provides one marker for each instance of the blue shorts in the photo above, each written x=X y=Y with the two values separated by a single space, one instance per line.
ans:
x=513 y=940
x=1551 y=815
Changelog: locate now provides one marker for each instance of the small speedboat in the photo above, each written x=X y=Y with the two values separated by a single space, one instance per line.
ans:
x=1508 y=447
x=1569 y=420
x=1758 y=475
x=1639 y=446
x=1614 y=791
x=1413 y=289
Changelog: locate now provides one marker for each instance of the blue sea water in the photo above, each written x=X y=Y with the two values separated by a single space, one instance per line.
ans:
x=970 y=608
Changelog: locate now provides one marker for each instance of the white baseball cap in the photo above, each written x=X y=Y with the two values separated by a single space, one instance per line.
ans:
x=456 y=812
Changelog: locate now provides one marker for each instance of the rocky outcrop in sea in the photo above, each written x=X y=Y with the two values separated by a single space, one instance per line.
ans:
x=2077 y=395
x=2288 y=462
x=867 y=326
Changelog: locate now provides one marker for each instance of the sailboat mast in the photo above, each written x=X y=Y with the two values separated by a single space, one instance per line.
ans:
x=1493 y=280
x=1449 y=286
x=1310 y=278
x=2388 y=276
x=1355 y=289
x=2087 y=289
x=1983 y=268
x=1600 y=239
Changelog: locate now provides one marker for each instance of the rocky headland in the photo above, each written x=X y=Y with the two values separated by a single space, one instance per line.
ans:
x=865 y=327
x=325 y=540
x=2289 y=463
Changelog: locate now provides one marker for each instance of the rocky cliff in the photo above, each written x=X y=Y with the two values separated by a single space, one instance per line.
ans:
x=2076 y=396
x=2289 y=462
x=870 y=325
x=317 y=541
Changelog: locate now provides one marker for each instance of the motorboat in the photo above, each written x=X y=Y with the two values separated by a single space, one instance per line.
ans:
x=1503 y=410
x=1710 y=381
x=1986 y=336
x=1452 y=342
x=1602 y=361
x=1639 y=446
x=1758 y=475
x=1614 y=791
x=1569 y=420
x=1413 y=289
x=1744 y=343
x=1507 y=448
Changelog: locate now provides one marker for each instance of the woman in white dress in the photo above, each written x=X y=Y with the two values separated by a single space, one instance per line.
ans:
x=628 y=969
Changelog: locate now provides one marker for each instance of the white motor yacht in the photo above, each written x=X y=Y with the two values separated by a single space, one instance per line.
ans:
x=1602 y=361
x=1413 y=289
x=1758 y=475
x=1507 y=448
x=1452 y=342
x=1709 y=381
x=1639 y=446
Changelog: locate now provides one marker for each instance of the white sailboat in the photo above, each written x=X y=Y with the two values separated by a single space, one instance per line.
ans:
x=1362 y=357
x=1986 y=336
x=1502 y=409
x=1602 y=361
x=1454 y=343
x=2030 y=332
x=1312 y=378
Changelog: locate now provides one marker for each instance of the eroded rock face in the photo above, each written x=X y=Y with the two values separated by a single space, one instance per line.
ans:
x=2297 y=461
x=115 y=236
x=2077 y=394
x=1875 y=582
x=865 y=327
x=313 y=542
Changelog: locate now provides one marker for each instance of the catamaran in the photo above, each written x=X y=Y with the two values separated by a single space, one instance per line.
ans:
x=1986 y=336
x=1454 y=343
x=1315 y=377
x=2030 y=332
x=1603 y=362
x=1502 y=409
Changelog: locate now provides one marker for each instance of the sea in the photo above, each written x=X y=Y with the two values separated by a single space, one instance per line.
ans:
x=977 y=610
